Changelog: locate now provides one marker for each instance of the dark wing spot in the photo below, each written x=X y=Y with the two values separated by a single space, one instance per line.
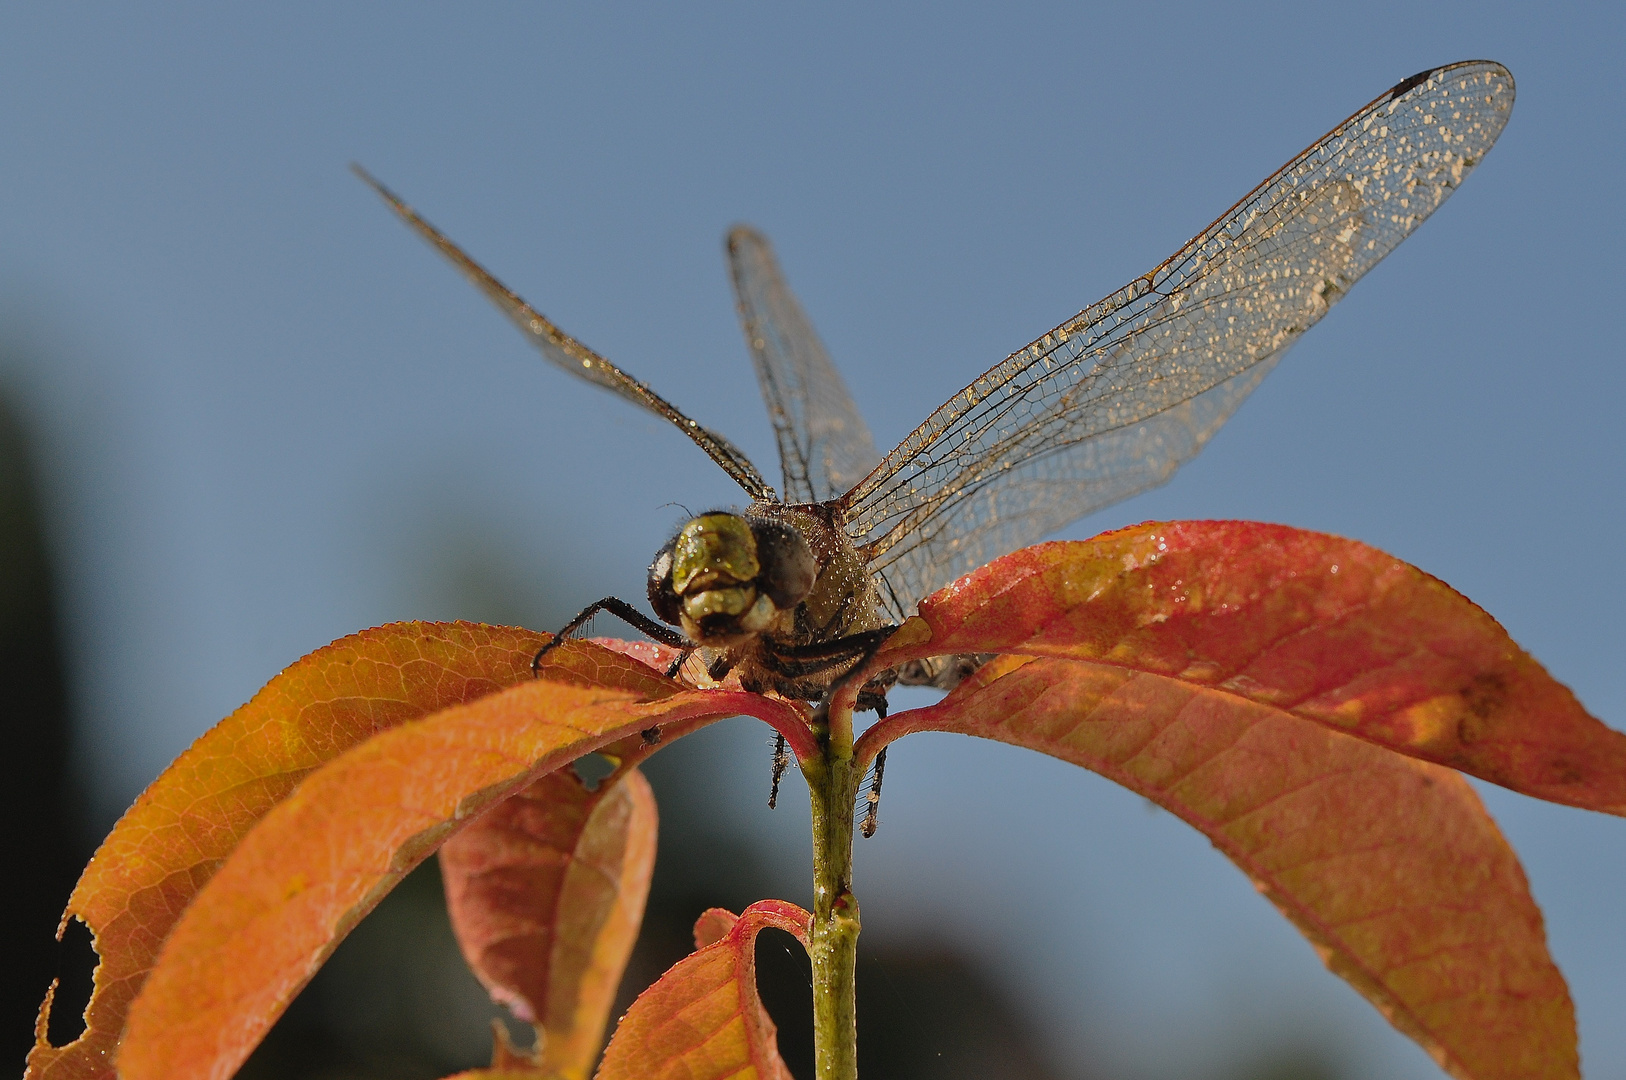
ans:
x=1406 y=86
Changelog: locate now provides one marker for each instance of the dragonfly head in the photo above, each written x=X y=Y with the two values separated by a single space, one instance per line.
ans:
x=725 y=577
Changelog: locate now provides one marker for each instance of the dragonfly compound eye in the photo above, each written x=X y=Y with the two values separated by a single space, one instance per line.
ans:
x=662 y=597
x=788 y=566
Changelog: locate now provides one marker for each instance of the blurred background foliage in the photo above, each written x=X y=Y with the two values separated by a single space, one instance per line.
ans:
x=48 y=839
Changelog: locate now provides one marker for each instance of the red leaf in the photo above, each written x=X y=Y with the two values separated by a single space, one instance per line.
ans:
x=702 y=1020
x=1327 y=629
x=175 y=835
x=649 y=653
x=321 y=859
x=1390 y=866
x=546 y=893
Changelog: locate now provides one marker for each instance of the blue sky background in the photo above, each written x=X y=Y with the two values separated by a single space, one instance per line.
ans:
x=270 y=416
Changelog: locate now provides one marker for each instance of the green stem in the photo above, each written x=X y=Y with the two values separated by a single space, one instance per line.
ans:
x=833 y=787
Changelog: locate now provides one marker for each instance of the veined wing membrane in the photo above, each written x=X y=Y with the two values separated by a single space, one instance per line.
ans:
x=1113 y=401
x=566 y=352
x=824 y=444
x=1099 y=442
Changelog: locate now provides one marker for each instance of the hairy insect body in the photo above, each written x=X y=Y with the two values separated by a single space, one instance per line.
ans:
x=757 y=589
x=843 y=600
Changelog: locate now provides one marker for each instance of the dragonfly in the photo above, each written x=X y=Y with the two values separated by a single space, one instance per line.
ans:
x=800 y=587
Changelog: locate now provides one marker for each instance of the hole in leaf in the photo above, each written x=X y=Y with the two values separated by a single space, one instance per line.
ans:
x=76 y=962
x=515 y=1044
x=785 y=984
x=591 y=769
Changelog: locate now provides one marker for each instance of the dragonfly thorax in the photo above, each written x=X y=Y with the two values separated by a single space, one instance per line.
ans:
x=725 y=578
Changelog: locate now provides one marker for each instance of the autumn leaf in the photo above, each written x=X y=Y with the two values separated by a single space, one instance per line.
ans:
x=546 y=894
x=1327 y=629
x=1390 y=866
x=628 y=665
x=322 y=858
x=1220 y=669
x=703 y=1020
x=171 y=841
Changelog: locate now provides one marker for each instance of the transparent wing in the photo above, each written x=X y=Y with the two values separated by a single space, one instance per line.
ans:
x=566 y=352
x=1113 y=401
x=824 y=444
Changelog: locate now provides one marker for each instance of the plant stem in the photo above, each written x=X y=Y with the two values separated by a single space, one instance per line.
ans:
x=833 y=787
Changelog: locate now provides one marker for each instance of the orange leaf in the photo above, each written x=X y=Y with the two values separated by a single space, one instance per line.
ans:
x=1390 y=866
x=1327 y=629
x=175 y=835
x=702 y=1020
x=629 y=665
x=546 y=893
x=322 y=858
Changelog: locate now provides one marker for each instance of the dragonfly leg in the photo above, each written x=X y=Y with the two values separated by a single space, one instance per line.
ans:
x=781 y=762
x=796 y=661
x=872 y=815
x=873 y=696
x=621 y=610
x=799 y=662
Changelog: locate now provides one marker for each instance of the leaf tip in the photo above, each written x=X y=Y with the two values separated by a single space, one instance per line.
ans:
x=713 y=925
